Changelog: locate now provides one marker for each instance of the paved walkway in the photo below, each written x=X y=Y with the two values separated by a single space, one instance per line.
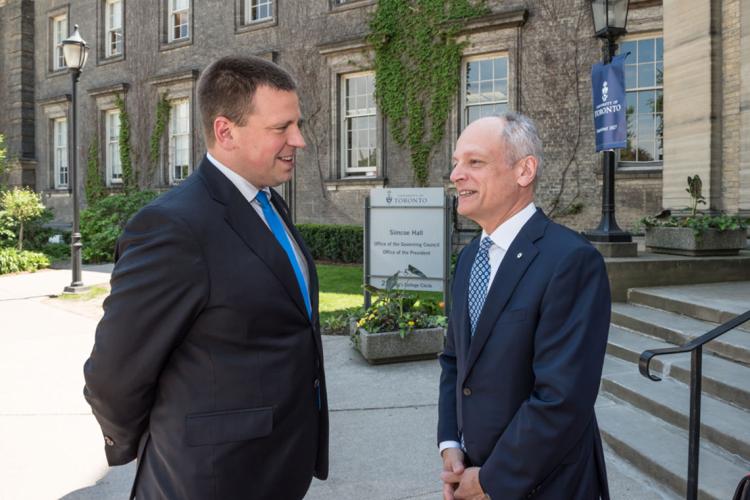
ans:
x=383 y=418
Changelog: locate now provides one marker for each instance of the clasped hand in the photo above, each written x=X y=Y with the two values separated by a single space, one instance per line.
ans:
x=459 y=482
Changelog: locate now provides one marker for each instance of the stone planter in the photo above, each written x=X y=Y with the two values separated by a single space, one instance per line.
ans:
x=389 y=347
x=682 y=241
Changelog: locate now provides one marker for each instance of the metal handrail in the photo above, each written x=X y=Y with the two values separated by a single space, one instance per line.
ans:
x=695 y=348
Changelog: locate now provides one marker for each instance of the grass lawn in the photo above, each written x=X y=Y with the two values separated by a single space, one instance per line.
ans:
x=340 y=291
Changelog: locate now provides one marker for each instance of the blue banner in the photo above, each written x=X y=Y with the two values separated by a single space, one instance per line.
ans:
x=608 y=90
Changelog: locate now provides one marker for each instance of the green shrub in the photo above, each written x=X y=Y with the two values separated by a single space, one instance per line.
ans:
x=7 y=230
x=23 y=206
x=56 y=251
x=332 y=242
x=103 y=222
x=15 y=261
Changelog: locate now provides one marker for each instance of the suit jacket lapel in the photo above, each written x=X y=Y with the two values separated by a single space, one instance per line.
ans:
x=507 y=278
x=248 y=225
x=460 y=304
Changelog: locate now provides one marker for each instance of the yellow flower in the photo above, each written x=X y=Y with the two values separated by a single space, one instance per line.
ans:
x=411 y=323
x=361 y=322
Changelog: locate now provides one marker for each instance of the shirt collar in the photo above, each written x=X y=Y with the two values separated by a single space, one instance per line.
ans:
x=245 y=187
x=504 y=235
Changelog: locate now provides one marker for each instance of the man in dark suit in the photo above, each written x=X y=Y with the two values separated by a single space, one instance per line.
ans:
x=526 y=336
x=208 y=365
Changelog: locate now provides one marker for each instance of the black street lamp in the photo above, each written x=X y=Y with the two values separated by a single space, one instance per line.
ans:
x=610 y=19
x=75 y=52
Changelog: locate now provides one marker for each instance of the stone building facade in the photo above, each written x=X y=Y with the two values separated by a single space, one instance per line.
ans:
x=689 y=93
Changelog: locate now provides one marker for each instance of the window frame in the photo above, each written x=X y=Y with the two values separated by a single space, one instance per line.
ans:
x=644 y=165
x=248 y=4
x=60 y=153
x=108 y=52
x=345 y=171
x=57 y=61
x=463 y=105
x=172 y=136
x=168 y=41
x=112 y=148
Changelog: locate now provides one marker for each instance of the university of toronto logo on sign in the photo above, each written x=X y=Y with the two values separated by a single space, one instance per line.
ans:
x=605 y=91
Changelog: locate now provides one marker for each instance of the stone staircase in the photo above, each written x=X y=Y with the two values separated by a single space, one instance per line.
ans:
x=646 y=422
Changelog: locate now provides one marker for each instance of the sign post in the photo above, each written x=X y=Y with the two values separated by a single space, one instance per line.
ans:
x=407 y=231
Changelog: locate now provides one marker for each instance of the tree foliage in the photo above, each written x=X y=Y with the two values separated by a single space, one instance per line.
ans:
x=21 y=205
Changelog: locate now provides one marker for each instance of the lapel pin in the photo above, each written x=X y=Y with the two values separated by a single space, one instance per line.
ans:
x=519 y=255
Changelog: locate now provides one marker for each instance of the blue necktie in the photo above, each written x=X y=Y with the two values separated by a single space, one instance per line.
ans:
x=478 y=281
x=277 y=228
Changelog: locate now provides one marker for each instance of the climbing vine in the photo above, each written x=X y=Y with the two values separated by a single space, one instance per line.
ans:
x=94 y=186
x=128 y=176
x=417 y=67
x=160 y=124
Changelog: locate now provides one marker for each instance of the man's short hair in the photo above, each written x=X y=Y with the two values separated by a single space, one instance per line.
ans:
x=521 y=139
x=227 y=87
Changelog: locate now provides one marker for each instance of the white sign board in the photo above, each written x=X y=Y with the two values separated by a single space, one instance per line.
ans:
x=407 y=235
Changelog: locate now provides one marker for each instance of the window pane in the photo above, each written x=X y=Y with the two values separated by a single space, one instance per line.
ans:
x=659 y=49
x=646 y=151
x=646 y=102
x=630 y=76
x=646 y=127
x=626 y=47
x=485 y=69
x=646 y=75
x=660 y=73
x=501 y=68
x=646 y=50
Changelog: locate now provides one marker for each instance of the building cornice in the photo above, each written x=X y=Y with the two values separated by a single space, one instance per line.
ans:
x=57 y=99
x=510 y=18
x=171 y=78
x=117 y=88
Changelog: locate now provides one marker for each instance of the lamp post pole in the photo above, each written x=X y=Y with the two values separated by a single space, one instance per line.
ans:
x=75 y=53
x=608 y=231
x=75 y=239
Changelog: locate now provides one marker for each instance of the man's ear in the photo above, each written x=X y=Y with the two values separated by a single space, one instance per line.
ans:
x=527 y=172
x=223 y=133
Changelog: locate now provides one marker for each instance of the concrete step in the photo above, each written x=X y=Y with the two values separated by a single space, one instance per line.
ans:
x=661 y=450
x=628 y=346
x=679 y=329
x=712 y=302
x=722 y=378
x=721 y=423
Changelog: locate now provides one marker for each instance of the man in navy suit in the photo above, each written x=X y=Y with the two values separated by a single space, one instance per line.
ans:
x=207 y=365
x=526 y=336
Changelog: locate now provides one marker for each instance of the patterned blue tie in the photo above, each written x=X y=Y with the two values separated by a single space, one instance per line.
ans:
x=478 y=281
x=277 y=228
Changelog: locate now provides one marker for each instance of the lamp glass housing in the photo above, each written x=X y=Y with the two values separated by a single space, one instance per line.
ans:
x=75 y=51
x=610 y=16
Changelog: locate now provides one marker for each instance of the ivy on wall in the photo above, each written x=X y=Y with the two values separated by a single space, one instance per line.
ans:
x=162 y=116
x=128 y=176
x=94 y=185
x=417 y=67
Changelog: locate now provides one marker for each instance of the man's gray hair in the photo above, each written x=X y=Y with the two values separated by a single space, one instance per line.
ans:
x=521 y=139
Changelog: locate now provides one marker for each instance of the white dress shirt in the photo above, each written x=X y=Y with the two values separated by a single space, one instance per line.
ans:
x=249 y=192
x=502 y=237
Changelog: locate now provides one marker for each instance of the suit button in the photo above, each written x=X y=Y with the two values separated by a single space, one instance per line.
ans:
x=467 y=391
x=108 y=441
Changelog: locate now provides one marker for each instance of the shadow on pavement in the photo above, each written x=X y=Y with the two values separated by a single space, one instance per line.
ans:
x=115 y=484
